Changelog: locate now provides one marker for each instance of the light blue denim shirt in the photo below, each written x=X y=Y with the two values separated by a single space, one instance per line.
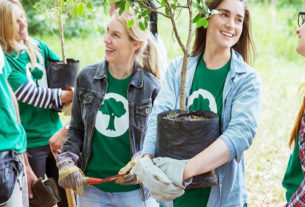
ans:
x=241 y=105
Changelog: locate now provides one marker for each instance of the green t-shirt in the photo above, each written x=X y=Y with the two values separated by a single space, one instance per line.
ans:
x=205 y=95
x=12 y=134
x=293 y=176
x=39 y=123
x=110 y=142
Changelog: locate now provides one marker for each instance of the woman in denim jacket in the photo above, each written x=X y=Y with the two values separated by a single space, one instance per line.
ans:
x=111 y=104
x=294 y=181
x=220 y=79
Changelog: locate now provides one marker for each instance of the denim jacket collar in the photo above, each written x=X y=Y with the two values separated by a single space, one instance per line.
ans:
x=136 y=79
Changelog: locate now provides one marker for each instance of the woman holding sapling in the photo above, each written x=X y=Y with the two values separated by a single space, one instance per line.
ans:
x=218 y=79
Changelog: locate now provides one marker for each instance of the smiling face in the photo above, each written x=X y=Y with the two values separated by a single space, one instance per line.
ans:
x=119 y=48
x=301 y=43
x=224 y=30
x=21 y=25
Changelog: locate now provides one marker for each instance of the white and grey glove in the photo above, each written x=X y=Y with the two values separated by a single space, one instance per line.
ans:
x=174 y=170
x=154 y=179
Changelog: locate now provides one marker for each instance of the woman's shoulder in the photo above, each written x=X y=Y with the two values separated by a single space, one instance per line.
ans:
x=90 y=69
x=239 y=65
x=148 y=77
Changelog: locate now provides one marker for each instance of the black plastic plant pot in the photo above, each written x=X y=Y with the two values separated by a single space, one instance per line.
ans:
x=61 y=75
x=182 y=135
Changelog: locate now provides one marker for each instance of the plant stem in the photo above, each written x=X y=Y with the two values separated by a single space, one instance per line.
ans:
x=62 y=37
x=186 y=54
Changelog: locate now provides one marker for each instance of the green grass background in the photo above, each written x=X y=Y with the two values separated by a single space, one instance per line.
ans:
x=282 y=72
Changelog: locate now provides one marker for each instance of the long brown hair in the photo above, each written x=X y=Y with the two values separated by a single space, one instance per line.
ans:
x=296 y=127
x=8 y=32
x=244 y=46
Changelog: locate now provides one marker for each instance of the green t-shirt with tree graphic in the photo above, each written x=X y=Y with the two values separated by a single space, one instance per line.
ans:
x=12 y=134
x=110 y=142
x=39 y=123
x=205 y=95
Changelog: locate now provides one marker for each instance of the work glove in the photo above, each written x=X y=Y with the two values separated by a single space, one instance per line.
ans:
x=130 y=178
x=70 y=176
x=174 y=169
x=45 y=193
x=154 y=179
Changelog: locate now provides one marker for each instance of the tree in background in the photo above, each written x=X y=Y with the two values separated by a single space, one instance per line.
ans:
x=63 y=9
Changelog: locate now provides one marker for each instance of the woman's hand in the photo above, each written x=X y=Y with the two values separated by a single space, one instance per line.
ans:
x=67 y=96
x=58 y=138
x=31 y=177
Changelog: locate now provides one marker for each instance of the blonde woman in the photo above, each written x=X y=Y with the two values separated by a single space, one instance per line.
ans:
x=111 y=104
x=38 y=104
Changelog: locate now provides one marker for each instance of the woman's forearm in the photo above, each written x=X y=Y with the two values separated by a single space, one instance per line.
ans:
x=209 y=159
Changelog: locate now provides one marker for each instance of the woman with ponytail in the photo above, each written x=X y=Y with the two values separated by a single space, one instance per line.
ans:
x=294 y=181
x=112 y=101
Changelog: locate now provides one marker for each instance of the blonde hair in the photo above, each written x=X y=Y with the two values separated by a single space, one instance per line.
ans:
x=296 y=126
x=147 y=54
x=8 y=25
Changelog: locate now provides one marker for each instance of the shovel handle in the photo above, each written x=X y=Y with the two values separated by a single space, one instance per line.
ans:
x=69 y=192
x=92 y=181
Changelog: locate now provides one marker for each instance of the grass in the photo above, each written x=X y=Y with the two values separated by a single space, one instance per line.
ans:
x=280 y=68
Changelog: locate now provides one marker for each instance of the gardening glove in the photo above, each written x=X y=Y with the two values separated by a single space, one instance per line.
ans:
x=174 y=169
x=70 y=176
x=130 y=178
x=158 y=184
x=45 y=193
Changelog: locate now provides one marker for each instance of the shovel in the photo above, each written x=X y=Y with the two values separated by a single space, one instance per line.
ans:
x=93 y=181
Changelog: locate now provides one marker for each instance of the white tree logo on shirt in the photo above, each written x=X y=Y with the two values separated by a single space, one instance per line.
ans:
x=2 y=62
x=112 y=120
x=205 y=95
x=38 y=73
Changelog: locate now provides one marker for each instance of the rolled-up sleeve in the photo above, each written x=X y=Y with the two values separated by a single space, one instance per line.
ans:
x=244 y=116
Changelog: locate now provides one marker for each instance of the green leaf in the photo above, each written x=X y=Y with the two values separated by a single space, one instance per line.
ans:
x=146 y=18
x=174 y=6
x=121 y=11
x=202 y=22
x=89 y=5
x=166 y=11
x=35 y=6
x=145 y=24
x=145 y=13
x=80 y=9
x=113 y=1
x=130 y=23
x=163 y=3
x=142 y=26
x=196 y=18
x=74 y=12
x=127 y=6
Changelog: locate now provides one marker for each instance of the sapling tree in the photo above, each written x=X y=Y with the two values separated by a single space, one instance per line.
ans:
x=197 y=14
x=62 y=10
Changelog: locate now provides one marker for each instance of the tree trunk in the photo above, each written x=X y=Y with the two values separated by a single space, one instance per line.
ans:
x=62 y=37
x=182 y=84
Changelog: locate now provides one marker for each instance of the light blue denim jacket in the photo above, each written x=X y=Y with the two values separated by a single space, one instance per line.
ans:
x=241 y=105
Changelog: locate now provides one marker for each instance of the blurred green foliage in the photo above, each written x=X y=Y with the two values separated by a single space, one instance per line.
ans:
x=279 y=2
x=44 y=23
